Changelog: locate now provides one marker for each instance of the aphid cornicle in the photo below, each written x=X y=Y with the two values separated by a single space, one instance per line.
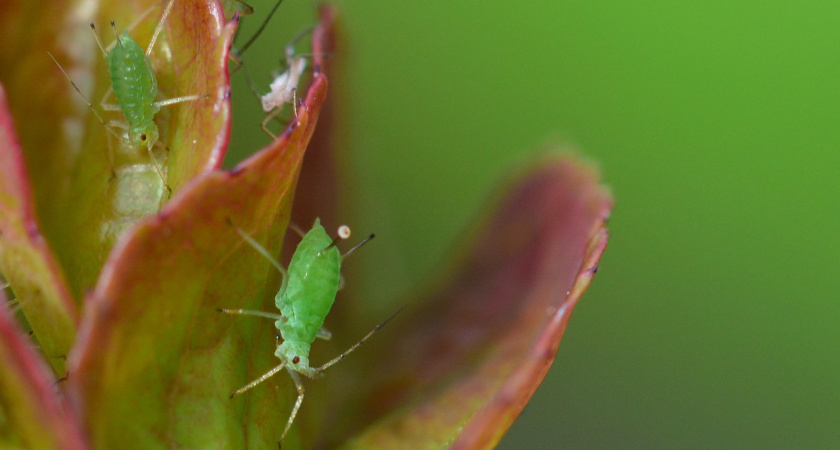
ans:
x=306 y=296
x=135 y=87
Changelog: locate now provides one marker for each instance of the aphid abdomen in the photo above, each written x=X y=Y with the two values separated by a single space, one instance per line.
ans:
x=314 y=274
x=135 y=86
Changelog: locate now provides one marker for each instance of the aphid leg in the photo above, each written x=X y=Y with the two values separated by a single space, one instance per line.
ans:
x=324 y=334
x=290 y=47
x=158 y=168
x=262 y=251
x=186 y=98
x=104 y=102
x=13 y=305
x=294 y=101
x=159 y=27
x=298 y=402
x=114 y=123
x=93 y=110
x=268 y=119
x=236 y=54
x=131 y=26
x=79 y=91
x=252 y=85
x=298 y=230
x=357 y=344
x=249 y=312
x=259 y=380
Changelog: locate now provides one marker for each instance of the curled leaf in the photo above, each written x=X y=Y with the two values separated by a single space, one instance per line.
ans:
x=465 y=363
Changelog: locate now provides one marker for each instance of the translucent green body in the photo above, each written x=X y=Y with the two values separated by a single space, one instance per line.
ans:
x=135 y=88
x=307 y=297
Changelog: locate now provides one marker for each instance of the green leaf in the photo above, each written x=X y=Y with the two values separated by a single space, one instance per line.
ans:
x=89 y=191
x=26 y=260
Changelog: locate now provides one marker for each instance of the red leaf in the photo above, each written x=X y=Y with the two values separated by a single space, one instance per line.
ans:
x=32 y=413
x=465 y=363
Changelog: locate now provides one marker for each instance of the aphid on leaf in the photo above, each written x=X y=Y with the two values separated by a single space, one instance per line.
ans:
x=134 y=85
x=305 y=298
x=284 y=86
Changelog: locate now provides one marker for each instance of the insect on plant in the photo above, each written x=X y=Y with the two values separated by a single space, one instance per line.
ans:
x=306 y=296
x=134 y=85
x=284 y=87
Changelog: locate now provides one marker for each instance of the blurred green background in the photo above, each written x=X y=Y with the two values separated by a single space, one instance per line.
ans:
x=714 y=319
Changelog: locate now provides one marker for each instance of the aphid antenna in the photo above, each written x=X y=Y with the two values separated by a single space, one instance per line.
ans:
x=79 y=91
x=98 y=40
x=309 y=55
x=259 y=31
x=342 y=234
x=290 y=47
x=356 y=247
x=117 y=34
x=137 y=21
x=361 y=341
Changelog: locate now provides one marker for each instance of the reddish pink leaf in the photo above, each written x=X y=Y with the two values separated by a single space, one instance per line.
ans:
x=465 y=363
x=32 y=413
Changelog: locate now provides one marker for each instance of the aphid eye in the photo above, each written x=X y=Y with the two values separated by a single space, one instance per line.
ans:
x=295 y=360
x=143 y=137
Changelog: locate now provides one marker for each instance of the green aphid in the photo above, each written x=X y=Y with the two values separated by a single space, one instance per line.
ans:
x=134 y=85
x=305 y=298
